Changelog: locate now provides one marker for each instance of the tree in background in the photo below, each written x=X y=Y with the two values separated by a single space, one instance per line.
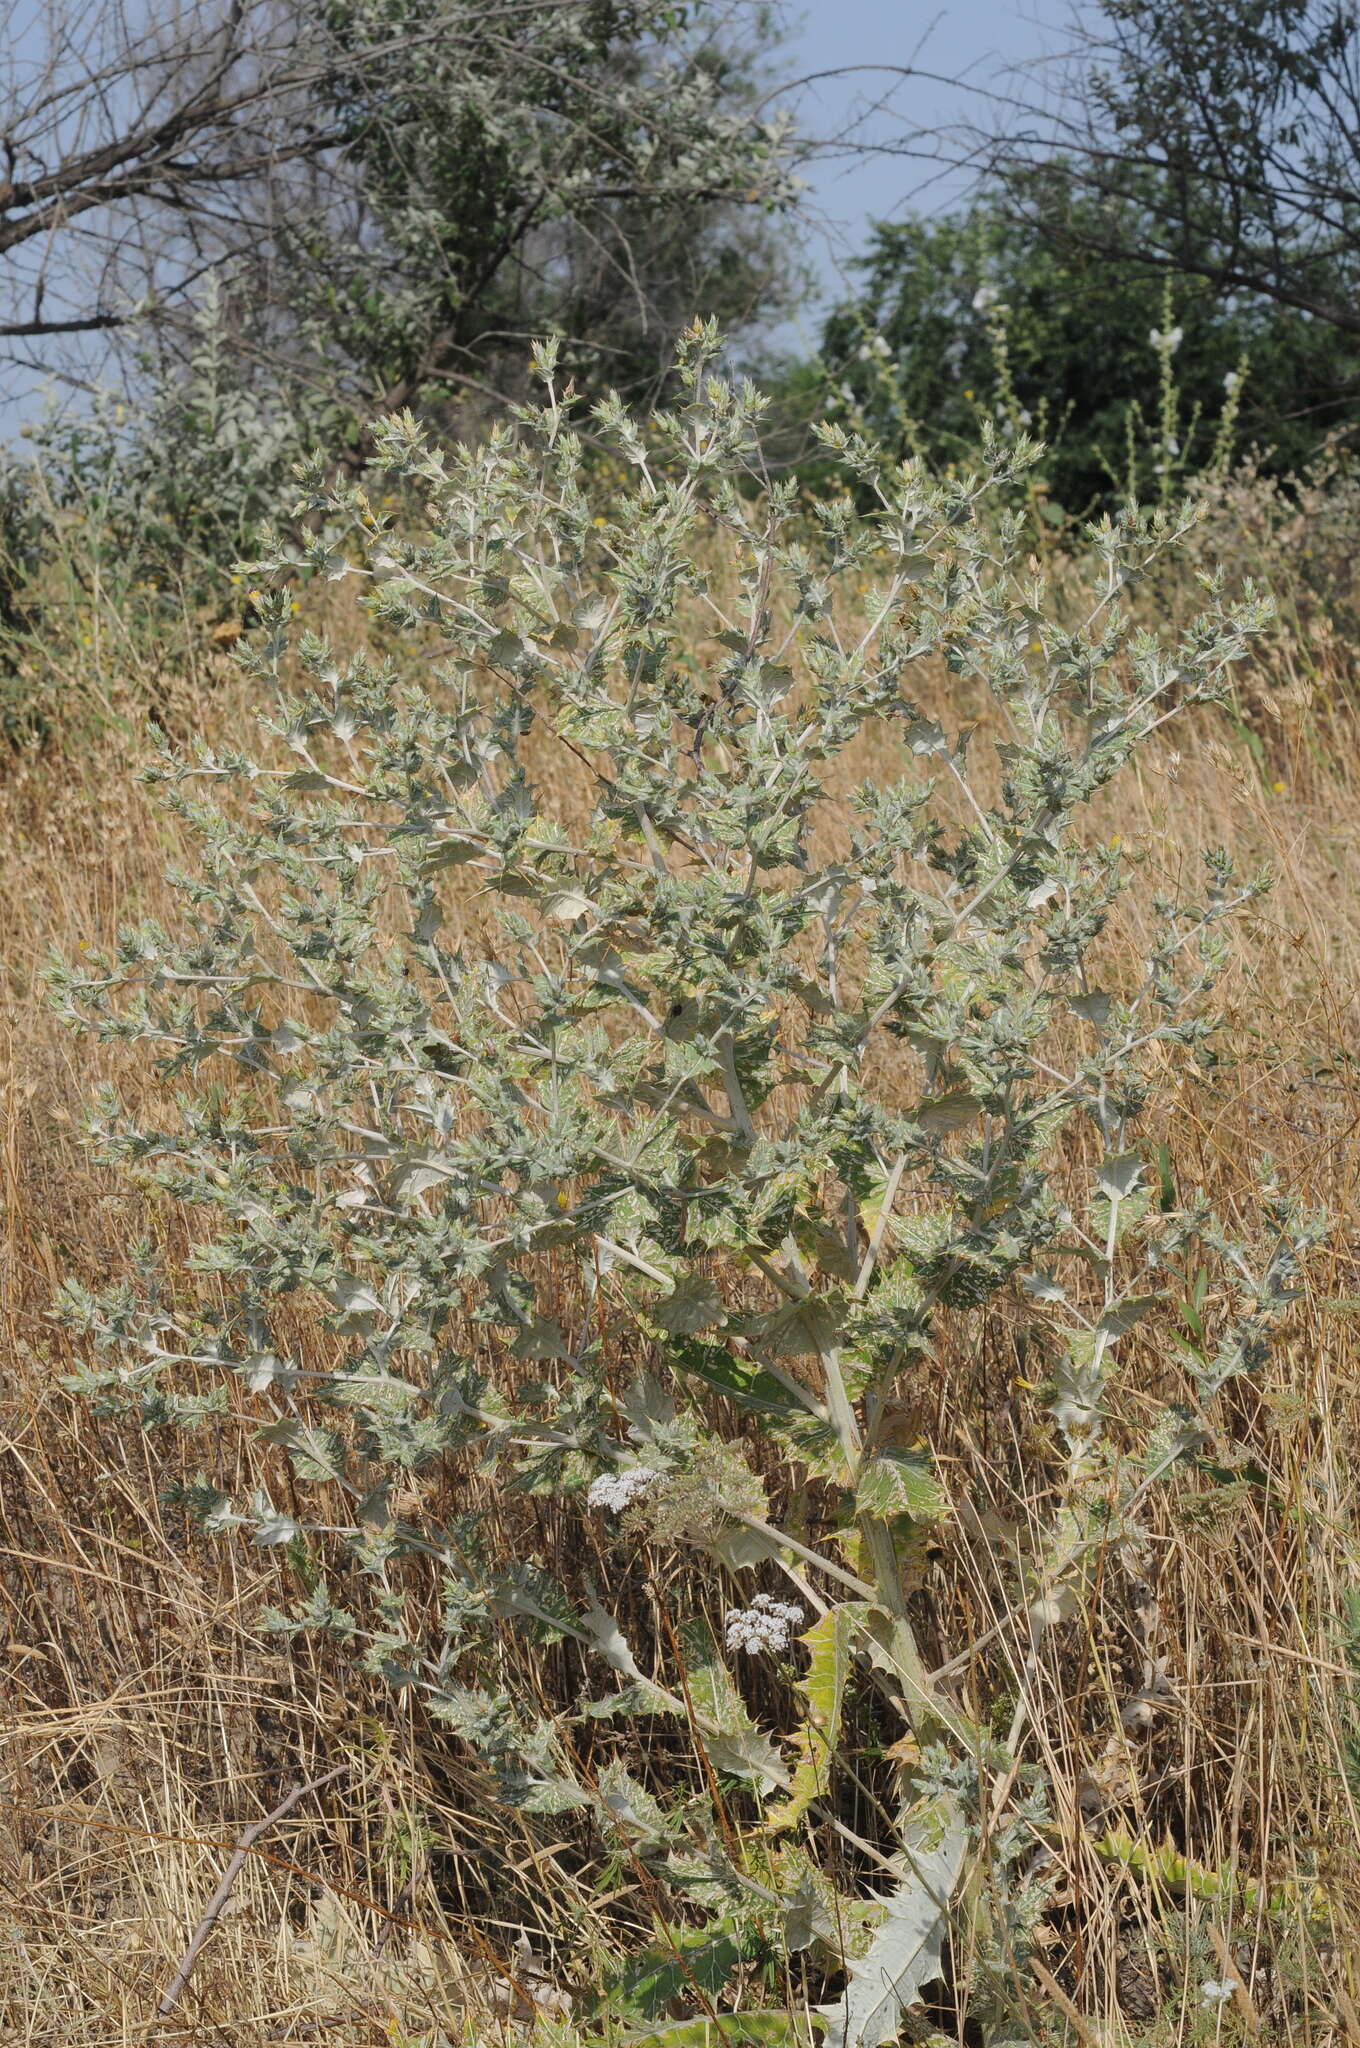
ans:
x=241 y=229
x=1218 y=141
x=400 y=192
x=984 y=315
x=597 y=169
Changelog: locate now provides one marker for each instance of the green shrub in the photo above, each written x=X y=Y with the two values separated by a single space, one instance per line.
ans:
x=672 y=1069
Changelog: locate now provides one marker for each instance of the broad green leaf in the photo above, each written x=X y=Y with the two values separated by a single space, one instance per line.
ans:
x=801 y=1329
x=543 y=1338
x=739 y=1379
x=900 y=1483
x=693 y=1304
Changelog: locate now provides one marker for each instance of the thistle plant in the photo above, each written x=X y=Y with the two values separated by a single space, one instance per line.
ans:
x=755 y=1079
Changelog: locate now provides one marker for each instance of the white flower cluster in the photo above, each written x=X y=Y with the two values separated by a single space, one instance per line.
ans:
x=767 y=1624
x=615 y=1491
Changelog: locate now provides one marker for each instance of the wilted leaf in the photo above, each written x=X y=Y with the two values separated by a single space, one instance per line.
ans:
x=567 y=904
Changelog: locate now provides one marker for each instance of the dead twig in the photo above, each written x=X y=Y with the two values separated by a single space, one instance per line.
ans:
x=229 y=1876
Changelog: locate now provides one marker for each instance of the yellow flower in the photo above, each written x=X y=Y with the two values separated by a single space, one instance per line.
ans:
x=1278 y=788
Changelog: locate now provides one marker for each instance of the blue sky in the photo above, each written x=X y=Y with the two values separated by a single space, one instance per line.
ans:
x=982 y=40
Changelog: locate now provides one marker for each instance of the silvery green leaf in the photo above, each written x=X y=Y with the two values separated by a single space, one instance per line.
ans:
x=924 y=736
x=1125 y=1314
x=1119 y=1176
x=628 y=1702
x=216 y=1513
x=1095 y=1008
x=741 y=1548
x=1076 y=1395
x=608 y=1638
x=411 y=1177
x=566 y=905
x=746 y=1753
x=1056 y=1604
x=262 y=1368
x=506 y=649
x=375 y=1509
x=273 y=1529
x=906 y=1952
x=544 y=1338
x=453 y=850
x=825 y=894
x=1042 y=1286
x=317 y=1453
x=351 y=1297
x=630 y=1805
x=809 y=1916
x=538 y=1791
x=694 y=1303
x=648 y=1407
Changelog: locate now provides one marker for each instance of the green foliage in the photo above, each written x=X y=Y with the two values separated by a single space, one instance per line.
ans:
x=597 y=169
x=985 y=316
x=519 y=1078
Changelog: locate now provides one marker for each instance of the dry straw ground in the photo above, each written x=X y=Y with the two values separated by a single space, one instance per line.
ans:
x=145 y=1720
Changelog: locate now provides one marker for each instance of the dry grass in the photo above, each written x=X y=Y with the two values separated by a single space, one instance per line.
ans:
x=147 y=1721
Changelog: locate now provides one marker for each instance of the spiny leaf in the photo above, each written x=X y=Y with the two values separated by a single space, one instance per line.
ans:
x=900 y=1483
x=830 y=1646
x=905 y=1954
